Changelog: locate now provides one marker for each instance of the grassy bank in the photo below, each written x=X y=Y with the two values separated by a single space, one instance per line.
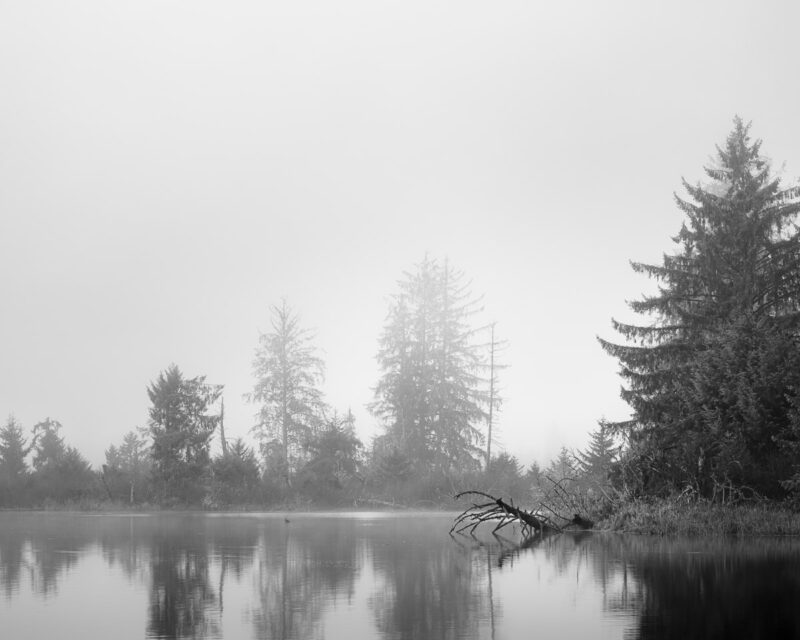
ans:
x=676 y=517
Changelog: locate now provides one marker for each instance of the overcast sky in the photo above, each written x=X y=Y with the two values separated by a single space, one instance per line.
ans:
x=169 y=170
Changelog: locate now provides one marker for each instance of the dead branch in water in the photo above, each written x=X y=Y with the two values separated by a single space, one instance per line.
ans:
x=501 y=512
x=504 y=513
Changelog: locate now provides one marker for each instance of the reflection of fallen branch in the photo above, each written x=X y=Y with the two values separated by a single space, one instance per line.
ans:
x=511 y=552
x=496 y=510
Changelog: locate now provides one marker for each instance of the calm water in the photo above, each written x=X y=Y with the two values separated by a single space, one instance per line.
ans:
x=357 y=576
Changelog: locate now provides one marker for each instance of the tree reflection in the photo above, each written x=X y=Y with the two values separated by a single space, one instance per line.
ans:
x=41 y=547
x=702 y=591
x=183 y=551
x=181 y=595
x=301 y=569
x=427 y=588
x=686 y=589
x=12 y=560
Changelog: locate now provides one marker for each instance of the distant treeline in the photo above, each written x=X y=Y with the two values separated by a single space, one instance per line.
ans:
x=436 y=398
x=712 y=378
x=167 y=466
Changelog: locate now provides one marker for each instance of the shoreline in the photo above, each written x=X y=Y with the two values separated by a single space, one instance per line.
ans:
x=664 y=517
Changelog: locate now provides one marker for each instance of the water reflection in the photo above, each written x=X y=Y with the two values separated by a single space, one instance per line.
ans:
x=328 y=577
x=291 y=586
x=182 y=602
x=36 y=554
x=705 y=590
x=427 y=588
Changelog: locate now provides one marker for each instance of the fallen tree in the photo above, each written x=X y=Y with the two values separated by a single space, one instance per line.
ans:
x=503 y=513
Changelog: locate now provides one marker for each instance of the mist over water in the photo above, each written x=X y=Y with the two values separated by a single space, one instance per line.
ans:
x=371 y=575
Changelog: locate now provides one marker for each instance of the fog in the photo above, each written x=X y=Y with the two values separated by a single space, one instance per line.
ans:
x=169 y=170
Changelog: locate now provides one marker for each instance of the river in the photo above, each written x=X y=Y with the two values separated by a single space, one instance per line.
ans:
x=354 y=576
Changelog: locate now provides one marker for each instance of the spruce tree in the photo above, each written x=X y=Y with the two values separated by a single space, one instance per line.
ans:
x=433 y=394
x=596 y=460
x=704 y=378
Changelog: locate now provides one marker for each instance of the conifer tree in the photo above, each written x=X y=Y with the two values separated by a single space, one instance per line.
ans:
x=60 y=472
x=288 y=375
x=235 y=475
x=433 y=394
x=48 y=445
x=726 y=309
x=181 y=425
x=13 y=468
x=596 y=460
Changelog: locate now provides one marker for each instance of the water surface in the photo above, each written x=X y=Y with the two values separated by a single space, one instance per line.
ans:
x=372 y=575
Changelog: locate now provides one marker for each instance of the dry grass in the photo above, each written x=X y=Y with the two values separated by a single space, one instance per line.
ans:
x=677 y=516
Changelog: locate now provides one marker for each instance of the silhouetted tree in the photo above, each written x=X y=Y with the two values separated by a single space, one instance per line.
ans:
x=288 y=374
x=596 y=460
x=709 y=380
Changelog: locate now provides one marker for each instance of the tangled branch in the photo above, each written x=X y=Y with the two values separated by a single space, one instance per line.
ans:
x=501 y=512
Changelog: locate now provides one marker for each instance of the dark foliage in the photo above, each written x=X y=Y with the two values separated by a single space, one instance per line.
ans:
x=709 y=380
x=181 y=426
x=333 y=463
x=235 y=476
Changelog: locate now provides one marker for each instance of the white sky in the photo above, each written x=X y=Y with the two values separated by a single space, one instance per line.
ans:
x=170 y=169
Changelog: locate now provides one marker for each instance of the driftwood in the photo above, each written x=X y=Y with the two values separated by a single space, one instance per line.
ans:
x=503 y=513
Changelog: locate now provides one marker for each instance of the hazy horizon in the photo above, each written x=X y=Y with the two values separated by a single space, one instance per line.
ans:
x=171 y=170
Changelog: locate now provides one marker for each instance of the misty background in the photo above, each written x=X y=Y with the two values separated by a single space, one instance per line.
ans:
x=169 y=170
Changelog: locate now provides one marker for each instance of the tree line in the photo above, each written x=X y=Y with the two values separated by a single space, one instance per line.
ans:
x=435 y=399
x=711 y=374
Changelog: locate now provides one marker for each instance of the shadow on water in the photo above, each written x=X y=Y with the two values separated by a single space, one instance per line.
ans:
x=377 y=576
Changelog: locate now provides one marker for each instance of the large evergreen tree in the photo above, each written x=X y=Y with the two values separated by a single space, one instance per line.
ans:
x=709 y=379
x=181 y=425
x=433 y=394
x=288 y=375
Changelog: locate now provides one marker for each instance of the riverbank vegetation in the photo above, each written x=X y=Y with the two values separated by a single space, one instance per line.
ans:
x=711 y=373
